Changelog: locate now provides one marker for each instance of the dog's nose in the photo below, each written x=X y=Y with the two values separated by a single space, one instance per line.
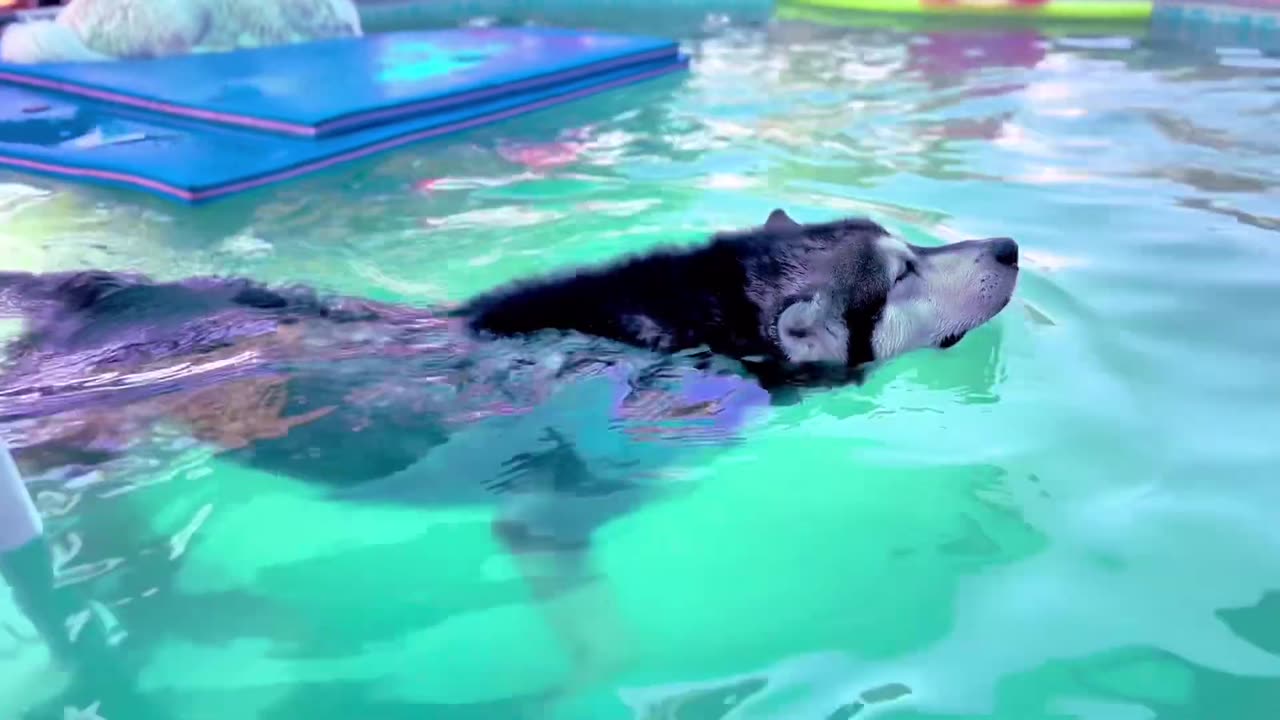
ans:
x=1004 y=250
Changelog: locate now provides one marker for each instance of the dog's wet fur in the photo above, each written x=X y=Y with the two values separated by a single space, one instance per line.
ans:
x=791 y=304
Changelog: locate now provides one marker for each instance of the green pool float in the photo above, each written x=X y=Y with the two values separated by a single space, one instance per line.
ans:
x=1051 y=10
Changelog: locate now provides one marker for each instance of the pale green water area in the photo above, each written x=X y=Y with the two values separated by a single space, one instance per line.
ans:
x=1071 y=514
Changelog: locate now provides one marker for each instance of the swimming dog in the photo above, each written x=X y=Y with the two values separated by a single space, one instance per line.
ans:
x=384 y=401
x=786 y=300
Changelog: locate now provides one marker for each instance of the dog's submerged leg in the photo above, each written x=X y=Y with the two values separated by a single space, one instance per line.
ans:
x=552 y=507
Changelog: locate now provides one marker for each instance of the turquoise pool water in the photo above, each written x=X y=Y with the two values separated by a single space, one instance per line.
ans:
x=1071 y=514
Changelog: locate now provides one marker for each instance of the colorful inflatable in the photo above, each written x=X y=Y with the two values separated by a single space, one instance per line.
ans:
x=1098 y=10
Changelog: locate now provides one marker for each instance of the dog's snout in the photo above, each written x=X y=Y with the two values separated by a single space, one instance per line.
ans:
x=1004 y=251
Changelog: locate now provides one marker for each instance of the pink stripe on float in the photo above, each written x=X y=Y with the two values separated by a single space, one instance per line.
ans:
x=289 y=128
x=99 y=175
x=198 y=195
x=152 y=105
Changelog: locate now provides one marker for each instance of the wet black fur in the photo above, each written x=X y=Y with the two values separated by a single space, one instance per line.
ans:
x=694 y=298
x=677 y=299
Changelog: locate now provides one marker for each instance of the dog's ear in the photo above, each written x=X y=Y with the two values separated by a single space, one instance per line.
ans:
x=780 y=220
x=808 y=331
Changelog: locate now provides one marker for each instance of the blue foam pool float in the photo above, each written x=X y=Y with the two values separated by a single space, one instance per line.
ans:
x=199 y=127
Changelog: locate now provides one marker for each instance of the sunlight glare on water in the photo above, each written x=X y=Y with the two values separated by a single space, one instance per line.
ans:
x=1069 y=514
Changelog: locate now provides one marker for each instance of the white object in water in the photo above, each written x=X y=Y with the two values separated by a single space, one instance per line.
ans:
x=19 y=521
x=38 y=41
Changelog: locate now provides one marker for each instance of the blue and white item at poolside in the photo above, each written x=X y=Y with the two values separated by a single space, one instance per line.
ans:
x=19 y=520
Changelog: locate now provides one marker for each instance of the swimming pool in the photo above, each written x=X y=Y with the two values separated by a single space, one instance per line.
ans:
x=1069 y=514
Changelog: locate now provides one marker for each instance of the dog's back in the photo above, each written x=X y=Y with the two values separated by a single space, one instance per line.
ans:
x=326 y=389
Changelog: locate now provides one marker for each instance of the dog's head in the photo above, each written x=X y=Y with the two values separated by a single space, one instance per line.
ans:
x=854 y=294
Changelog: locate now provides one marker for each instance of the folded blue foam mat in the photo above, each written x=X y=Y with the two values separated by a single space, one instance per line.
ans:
x=199 y=127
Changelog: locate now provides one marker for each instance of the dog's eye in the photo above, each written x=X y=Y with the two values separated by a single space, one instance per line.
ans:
x=908 y=269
